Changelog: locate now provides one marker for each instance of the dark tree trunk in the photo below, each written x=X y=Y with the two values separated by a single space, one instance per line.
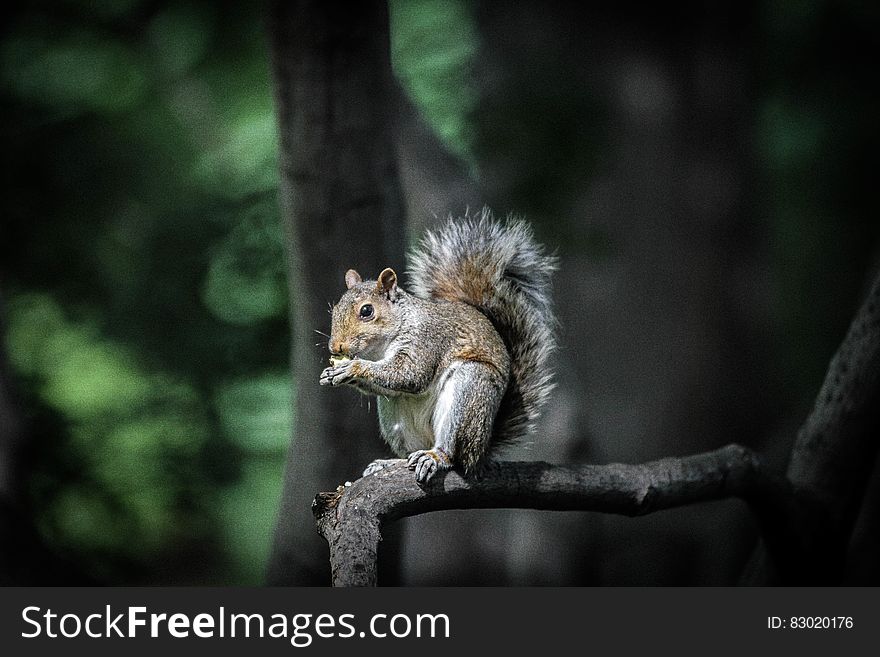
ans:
x=342 y=208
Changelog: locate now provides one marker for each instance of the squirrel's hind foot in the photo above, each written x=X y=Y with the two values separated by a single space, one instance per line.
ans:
x=428 y=462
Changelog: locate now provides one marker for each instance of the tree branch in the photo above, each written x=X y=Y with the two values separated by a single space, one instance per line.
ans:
x=351 y=518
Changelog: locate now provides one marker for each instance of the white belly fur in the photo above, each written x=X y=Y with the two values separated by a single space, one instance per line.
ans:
x=412 y=422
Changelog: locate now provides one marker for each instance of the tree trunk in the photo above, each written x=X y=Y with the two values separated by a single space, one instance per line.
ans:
x=342 y=208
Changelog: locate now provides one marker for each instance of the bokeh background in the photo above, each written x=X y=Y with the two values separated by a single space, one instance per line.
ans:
x=706 y=175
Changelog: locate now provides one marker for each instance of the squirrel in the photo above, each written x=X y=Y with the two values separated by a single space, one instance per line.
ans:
x=460 y=362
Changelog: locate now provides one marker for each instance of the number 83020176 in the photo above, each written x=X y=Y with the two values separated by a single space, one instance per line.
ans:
x=810 y=623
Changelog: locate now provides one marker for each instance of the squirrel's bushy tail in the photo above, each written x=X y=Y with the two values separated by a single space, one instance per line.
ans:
x=499 y=268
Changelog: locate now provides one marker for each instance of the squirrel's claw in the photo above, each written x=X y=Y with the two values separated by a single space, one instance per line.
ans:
x=426 y=464
x=336 y=375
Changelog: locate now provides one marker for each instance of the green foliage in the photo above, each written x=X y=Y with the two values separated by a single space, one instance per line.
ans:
x=180 y=36
x=249 y=511
x=245 y=281
x=255 y=412
x=147 y=306
x=125 y=423
x=83 y=70
x=82 y=376
x=433 y=46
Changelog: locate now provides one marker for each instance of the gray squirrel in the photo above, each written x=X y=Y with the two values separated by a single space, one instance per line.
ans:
x=460 y=362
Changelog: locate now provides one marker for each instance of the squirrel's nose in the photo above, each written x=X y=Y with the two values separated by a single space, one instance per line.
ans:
x=338 y=347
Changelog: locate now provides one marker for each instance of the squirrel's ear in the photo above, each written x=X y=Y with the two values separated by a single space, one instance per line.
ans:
x=352 y=278
x=387 y=283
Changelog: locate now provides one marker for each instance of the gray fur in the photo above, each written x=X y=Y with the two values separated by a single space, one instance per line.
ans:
x=516 y=299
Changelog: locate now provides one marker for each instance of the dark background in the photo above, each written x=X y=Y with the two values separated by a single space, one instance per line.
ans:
x=706 y=176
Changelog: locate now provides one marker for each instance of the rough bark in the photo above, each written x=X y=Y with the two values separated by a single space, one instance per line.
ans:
x=341 y=206
x=351 y=518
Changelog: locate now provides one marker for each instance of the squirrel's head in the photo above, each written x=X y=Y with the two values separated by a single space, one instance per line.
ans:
x=364 y=319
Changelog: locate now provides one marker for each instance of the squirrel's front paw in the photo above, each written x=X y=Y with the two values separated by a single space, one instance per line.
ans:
x=428 y=462
x=337 y=375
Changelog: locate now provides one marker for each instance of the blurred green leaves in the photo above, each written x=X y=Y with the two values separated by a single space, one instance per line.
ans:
x=83 y=377
x=433 y=45
x=145 y=280
x=245 y=281
x=83 y=70
x=255 y=412
x=125 y=421
x=180 y=35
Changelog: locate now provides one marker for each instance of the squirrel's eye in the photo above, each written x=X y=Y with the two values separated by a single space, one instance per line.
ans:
x=366 y=311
